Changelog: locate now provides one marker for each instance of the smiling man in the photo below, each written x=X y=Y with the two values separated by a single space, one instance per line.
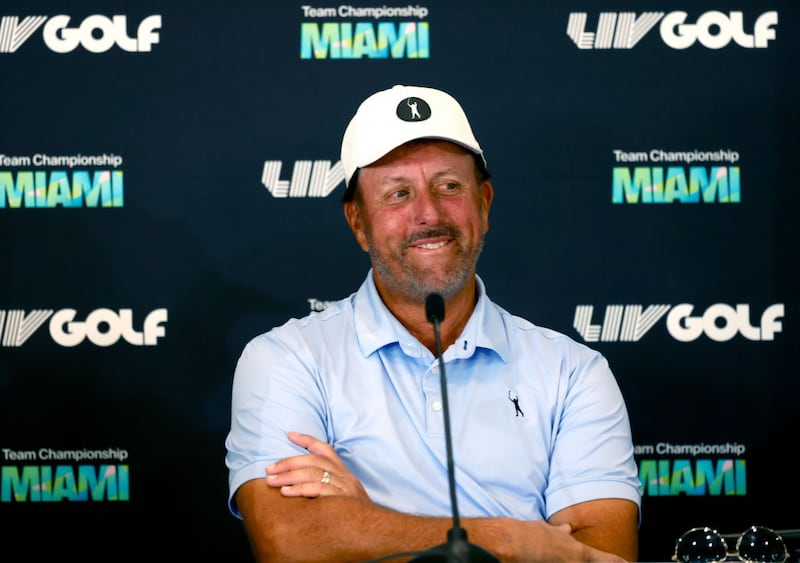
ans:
x=337 y=451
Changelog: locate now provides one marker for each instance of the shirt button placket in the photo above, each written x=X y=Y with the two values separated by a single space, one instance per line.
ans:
x=432 y=387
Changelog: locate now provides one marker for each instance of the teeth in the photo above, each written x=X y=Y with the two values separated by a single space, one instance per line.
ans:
x=433 y=246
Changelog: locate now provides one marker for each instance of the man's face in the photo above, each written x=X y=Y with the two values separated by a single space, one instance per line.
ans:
x=421 y=214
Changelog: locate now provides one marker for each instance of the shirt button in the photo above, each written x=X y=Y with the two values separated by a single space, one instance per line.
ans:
x=435 y=369
x=437 y=405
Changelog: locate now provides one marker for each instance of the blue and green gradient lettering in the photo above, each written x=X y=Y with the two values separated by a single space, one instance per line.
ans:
x=645 y=184
x=699 y=477
x=41 y=189
x=345 y=40
x=45 y=483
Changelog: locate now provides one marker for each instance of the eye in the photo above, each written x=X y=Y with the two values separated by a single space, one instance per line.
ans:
x=449 y=187
x=397 y=195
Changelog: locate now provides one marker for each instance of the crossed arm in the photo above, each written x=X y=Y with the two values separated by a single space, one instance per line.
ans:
x=291 y=515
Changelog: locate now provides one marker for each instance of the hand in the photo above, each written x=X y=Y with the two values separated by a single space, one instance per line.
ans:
x=302 y=475
x=547 y=542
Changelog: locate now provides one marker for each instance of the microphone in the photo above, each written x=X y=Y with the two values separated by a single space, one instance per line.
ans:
x=457 y=549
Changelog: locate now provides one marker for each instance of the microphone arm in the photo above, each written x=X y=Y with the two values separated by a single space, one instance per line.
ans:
x=434 y=308
x=457 y=549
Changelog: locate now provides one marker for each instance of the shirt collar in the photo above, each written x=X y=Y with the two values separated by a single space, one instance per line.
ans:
x=377 y=327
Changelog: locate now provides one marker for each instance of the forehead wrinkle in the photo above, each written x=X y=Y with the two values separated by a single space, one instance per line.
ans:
x=404 y=179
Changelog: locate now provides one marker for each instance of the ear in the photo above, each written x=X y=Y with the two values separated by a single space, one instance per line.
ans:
x=487 y=196
x=352 y=213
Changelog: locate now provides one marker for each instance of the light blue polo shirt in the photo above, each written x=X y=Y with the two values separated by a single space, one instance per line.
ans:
x=354 y=377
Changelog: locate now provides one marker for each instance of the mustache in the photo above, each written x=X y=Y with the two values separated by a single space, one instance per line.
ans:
x=438 y=231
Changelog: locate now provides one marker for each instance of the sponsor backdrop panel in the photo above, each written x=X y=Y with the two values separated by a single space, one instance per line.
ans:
x=170 y=186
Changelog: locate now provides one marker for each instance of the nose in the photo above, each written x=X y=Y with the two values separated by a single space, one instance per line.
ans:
x=426 y=207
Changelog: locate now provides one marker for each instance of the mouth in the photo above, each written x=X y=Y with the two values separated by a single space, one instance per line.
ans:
x=432 y=245
x=434 y=239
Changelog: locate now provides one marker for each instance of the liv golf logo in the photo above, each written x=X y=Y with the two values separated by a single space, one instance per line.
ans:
x=713 y=30
x=102 y=327
x=316 y=178
x=720 y=322
x=96 y=33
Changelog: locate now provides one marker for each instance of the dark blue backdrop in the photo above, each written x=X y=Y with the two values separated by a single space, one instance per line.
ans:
x=196 y=110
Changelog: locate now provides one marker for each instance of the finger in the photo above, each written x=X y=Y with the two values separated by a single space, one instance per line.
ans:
x=323 y=486
x=309 y=474
x=313 y=445
x=316 y=447
x=300 y=439
x=605 y=557
x=291 y=464
x=308 y=490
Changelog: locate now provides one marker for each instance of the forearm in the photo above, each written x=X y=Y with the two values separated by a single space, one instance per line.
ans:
x=335 y=529
x=607 y=524
x=294 y=515
x=340 y=528
x=626 y=546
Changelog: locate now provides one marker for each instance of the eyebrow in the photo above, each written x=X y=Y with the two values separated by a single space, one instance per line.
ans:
x=402 y=179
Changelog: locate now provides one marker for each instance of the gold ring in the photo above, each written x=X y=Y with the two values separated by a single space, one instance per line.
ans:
x=326 y=478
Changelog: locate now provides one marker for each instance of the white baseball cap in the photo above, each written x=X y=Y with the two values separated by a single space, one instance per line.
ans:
x=390 y=118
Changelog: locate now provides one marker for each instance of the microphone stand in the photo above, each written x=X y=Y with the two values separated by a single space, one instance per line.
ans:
x=457 y=549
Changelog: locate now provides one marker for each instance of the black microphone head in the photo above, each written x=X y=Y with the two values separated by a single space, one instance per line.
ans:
x=434 y=307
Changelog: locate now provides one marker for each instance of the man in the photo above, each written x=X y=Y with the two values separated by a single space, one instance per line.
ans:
x=337 y=449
